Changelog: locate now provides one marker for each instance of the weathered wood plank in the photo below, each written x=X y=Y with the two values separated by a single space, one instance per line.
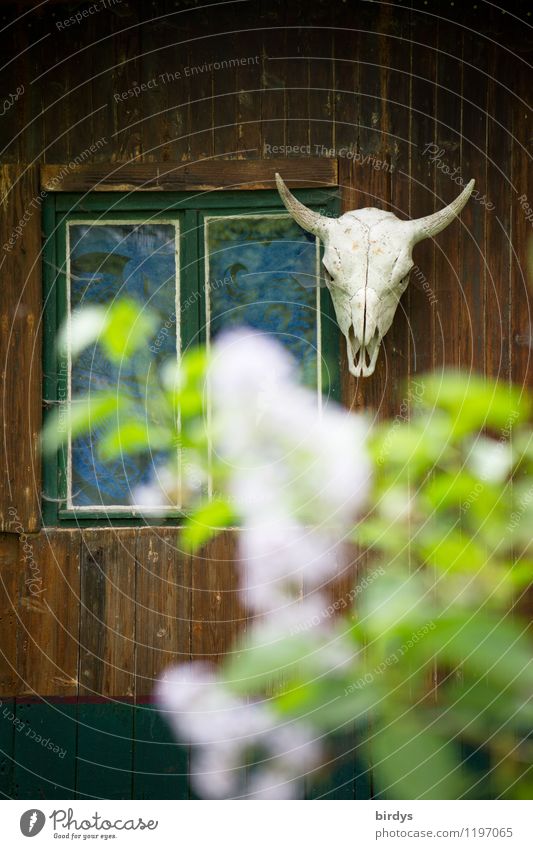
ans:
x=421 y=297
x=472 y=342
x=49 y=598
x=498 y=246
x=319 y=44
x=9 y=572
x=14 y=85
x=217 y=616
x=200 y=120
x=274 y=78
x=163 y=596
x=107 y=619
x=522 y=232
x=297 y=85
x=98 y=90
x=249 y=84
x=452 y=315
x=395 y=62
x=345 y=82
x=225 y=81
x=198 y=176
x=85 y=118
x=20 y=347
x=165 y=99
x=129 y=113
x=57 y=125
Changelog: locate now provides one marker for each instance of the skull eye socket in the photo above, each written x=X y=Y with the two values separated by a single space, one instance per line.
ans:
x=332 y=262
x=328 y=269
x=402 y=267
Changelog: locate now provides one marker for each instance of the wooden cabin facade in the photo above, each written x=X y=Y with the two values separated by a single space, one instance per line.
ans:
x=388 y=104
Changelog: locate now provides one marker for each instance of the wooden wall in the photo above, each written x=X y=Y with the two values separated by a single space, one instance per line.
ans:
x=99 y=612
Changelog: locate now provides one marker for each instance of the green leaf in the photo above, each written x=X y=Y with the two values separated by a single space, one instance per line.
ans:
x=206 y=520
x=128 y=328
x=189 y=372
x=452 y=552
x=398 y=604
x=410 y=761
x=474 y=402
x=78 y=418
x=383 y=535
x=410 y=450
x=134 y=437
x=483 y=643
x=330 y=702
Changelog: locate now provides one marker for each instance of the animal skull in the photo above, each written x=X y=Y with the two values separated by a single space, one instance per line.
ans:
x=368 y=257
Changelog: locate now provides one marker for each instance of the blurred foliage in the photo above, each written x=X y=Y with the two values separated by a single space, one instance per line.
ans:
x=436 y=672
x=441 y=691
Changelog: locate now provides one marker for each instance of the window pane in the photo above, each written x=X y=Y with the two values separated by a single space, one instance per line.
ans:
x=262 y=273
x=106 y=261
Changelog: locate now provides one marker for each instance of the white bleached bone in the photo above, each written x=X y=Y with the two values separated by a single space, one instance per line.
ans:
x=367 y=258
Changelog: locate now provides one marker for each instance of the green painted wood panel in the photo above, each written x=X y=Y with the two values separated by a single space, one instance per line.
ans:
x=160 y=766
x=105 y=750
x=8 y=725
x=45 y=750
x=117 y=750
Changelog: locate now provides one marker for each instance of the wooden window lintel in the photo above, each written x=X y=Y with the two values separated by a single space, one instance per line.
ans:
x=206 y=175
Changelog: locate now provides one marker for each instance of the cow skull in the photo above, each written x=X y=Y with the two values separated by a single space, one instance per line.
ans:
x=368 y=257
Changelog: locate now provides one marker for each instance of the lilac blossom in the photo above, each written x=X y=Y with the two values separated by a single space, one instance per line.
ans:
x=297 y=476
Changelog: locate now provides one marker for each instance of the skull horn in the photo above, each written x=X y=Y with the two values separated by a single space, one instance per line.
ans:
x=423 y=228
x=311 y=221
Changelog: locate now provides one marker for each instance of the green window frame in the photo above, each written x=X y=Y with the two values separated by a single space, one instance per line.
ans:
x=191 y=210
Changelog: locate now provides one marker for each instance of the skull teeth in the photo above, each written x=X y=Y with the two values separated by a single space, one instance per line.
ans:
x=365 y=352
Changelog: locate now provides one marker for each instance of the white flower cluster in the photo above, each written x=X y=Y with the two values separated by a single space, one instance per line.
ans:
x=297 y=476
x=221 y=728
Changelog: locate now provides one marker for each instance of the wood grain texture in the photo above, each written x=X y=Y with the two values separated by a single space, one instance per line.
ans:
x=199 y=176
x=452 y=315
x=163 y=599
x=225 y=104
x=107 y=618
x=498 y=246
x=20 y=351
x=49 y=613
x=522 y=230
x=422 y=303
x=474 y=259
x=296 y=84
x=9 y=572
x=201 y=120
x=216 y=613
x=273 y=81
x=126 y=72
x=395 y=70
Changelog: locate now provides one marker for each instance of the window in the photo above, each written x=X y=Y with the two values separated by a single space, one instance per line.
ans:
x=204 y=262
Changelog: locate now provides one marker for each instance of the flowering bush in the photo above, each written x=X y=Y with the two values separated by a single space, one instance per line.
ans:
x=424 y=663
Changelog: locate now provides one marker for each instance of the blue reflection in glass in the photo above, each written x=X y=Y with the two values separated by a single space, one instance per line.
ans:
x=262 y=273
x=109 y=261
